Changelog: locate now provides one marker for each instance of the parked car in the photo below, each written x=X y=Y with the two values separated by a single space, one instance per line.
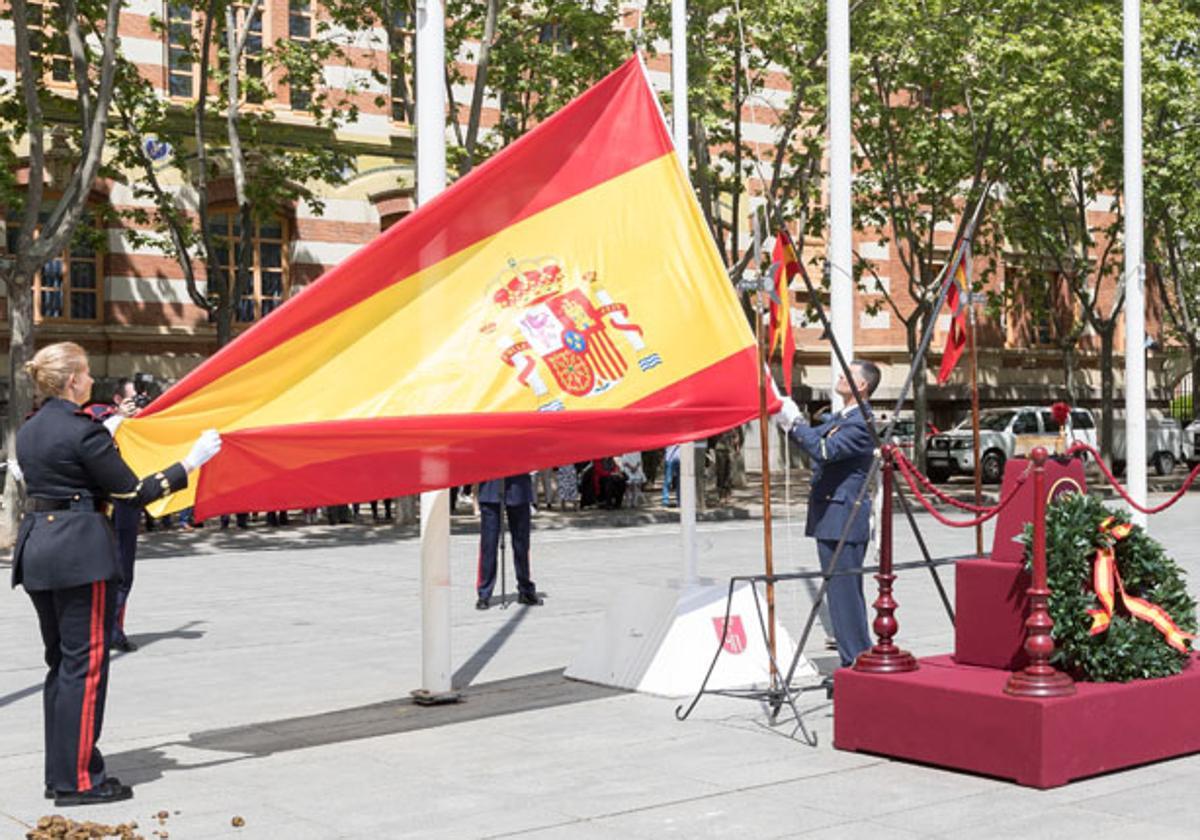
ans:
x=903 y=432
x=1003 y=433
x=1166 y=443
x=1191 y=444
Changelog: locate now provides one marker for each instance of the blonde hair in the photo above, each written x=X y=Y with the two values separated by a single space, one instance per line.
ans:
x=53 y=365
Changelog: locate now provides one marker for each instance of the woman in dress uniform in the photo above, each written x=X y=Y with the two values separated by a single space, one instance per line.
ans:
x=66 y=558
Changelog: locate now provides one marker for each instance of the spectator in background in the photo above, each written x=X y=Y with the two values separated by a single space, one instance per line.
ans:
x=670 y=473
x=635 y=476
x=568 y=486
x=612 y=483
x=726 y=446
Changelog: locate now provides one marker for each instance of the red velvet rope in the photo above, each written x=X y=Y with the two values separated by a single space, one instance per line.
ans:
x=930 y=487
x=907 y=470
x=1080 y=446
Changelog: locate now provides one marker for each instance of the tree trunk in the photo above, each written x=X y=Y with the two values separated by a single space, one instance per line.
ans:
x=481 y=71
x=912 y=331
x=1106 y=393
x=1069 y=372
x=20 y=391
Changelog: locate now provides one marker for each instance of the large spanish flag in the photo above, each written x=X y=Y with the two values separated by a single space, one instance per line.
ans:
x=563 y=301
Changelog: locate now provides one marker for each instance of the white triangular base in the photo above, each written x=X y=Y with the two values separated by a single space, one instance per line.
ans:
x=661 y=640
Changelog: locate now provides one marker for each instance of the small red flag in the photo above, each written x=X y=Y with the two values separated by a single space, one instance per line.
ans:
x=788 y=266
x=956 y=301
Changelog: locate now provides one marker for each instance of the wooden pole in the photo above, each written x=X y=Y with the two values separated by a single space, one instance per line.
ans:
x=764 y=438
x=974 y=418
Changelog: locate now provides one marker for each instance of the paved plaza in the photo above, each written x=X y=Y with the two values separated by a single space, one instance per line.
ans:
x=275 y=666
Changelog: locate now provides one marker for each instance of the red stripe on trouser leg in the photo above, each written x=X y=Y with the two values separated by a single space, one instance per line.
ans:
x=87 y=717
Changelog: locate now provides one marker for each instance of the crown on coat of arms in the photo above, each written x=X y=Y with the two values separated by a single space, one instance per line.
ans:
x=525 y=283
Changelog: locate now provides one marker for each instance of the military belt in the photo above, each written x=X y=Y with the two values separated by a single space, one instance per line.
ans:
x=76 y=502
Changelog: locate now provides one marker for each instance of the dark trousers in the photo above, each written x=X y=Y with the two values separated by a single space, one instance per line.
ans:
x=847 y=610
x=489 y=542
x=125 y=526
x=76 y=624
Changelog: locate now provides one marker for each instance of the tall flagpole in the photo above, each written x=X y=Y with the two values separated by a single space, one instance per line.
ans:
x=1135 y=269
x=679 y=129
x=435 y=506
x=841 y=246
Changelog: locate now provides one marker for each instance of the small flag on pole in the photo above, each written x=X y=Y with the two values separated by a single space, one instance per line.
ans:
x=787 y=265
x=956 y=302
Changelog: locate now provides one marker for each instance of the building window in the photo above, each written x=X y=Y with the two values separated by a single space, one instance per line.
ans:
x=402 y=31
x=300 y=29
x=48 y=40
x=253 y=56
x=68 y=288
x=268 y=270
x=181 y=77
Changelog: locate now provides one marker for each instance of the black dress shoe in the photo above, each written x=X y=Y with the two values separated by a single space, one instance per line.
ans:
x=123 y=644
x=529 y=600
x=482 y=604
x=109 y=791
x=49 y=792
x=827 y=684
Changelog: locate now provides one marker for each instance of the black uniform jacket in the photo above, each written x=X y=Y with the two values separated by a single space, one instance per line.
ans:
x=70 y=464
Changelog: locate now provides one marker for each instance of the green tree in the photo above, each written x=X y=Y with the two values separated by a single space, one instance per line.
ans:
x=1171 y=90
x=216 y=135
x=30 y=116
x=1063 y=162
x=925 y=84
x=532 y=58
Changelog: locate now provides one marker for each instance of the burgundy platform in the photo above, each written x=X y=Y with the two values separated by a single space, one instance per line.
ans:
x=954 y=712
x=958 y=716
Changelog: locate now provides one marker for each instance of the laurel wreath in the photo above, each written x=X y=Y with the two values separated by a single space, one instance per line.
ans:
x=1129 y=649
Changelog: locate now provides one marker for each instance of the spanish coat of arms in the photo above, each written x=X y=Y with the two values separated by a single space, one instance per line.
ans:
x=574 y=331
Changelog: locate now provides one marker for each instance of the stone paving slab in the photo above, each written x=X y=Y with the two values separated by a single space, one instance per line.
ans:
x=273 y=682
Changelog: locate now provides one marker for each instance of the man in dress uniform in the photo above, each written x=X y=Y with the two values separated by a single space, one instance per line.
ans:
x=516 y=494
x=65 y=557
x=842 y=450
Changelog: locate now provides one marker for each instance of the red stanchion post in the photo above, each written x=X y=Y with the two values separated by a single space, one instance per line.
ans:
x=1039 y=678
x=885 y=657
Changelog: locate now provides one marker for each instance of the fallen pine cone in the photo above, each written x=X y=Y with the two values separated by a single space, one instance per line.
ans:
x=237 y=822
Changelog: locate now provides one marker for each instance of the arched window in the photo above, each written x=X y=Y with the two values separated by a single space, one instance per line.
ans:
x=269 y=283
x=70 y=286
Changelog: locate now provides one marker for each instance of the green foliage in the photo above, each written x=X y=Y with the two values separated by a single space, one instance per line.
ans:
x=1130 y=649
x=544 y=53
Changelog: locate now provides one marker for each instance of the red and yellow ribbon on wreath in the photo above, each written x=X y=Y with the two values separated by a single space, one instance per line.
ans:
x=1106 y=581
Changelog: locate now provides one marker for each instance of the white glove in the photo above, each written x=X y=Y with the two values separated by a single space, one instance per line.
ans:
x=14 y=469
x=205 y=447
x=787 y=415
x=113 y=422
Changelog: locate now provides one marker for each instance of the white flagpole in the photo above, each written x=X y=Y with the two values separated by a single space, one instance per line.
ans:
x=679 y=126
x=435 y=506
x=841 y=246
x=1135 y=269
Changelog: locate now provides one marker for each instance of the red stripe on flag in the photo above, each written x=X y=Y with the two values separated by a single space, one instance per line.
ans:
x=91 y=684
x=265 y=468
x=611 y=129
